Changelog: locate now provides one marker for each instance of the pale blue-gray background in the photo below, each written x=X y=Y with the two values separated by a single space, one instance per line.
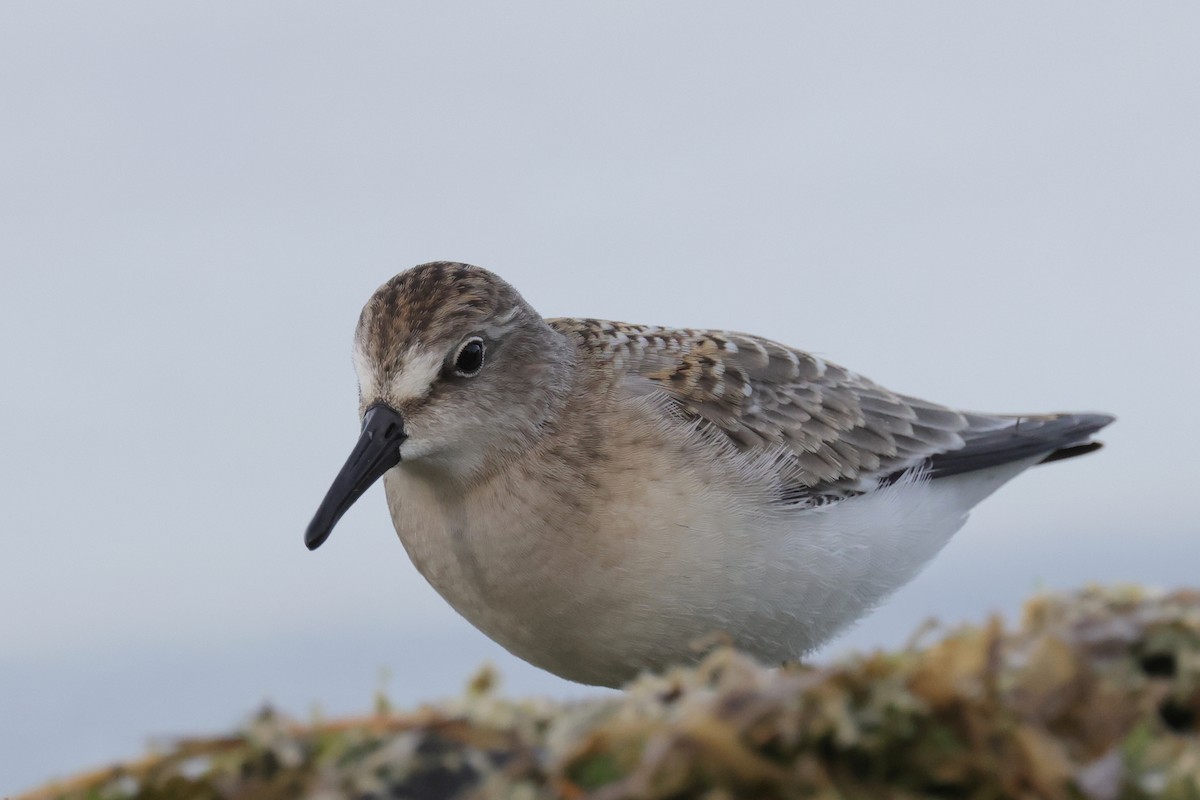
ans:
x=997 y=207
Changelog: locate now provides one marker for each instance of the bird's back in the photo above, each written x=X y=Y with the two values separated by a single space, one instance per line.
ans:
x=839 y=433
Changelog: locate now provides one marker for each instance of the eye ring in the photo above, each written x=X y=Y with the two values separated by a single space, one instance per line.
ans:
x=469 y=358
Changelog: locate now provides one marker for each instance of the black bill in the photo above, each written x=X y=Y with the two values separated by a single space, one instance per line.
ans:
x=377 y=451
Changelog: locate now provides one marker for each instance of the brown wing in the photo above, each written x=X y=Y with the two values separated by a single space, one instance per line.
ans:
x=845 y=433
x=843 y=430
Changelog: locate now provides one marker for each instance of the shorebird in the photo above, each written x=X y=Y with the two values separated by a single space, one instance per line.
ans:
x=597 y=496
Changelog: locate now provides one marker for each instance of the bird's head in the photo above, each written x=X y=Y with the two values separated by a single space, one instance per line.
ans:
x=456 y=373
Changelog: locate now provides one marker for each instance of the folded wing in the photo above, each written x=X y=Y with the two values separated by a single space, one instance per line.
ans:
x=843 y=433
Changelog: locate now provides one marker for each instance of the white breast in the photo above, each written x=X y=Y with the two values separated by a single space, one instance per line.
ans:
x=631 y=578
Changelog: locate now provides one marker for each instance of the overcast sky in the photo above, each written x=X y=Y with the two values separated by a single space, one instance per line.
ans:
x=996 y=207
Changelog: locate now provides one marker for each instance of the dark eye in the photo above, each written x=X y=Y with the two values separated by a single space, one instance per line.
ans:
x=469 y=360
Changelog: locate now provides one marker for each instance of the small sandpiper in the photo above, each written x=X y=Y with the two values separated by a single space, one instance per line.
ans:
x=598 y=496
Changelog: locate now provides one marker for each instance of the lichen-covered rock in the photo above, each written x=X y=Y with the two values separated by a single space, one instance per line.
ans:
x=1096 y=695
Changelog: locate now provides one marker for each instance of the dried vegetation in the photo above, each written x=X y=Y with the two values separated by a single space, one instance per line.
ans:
x=1096 y=695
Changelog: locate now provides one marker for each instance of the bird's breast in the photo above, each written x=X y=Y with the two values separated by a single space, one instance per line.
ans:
x=592 y=576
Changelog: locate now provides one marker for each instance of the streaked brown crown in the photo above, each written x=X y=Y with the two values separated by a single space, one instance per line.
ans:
x=430 y=301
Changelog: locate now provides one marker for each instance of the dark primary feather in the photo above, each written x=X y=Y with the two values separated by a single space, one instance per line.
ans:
x=1020 y=437
x=845 y=433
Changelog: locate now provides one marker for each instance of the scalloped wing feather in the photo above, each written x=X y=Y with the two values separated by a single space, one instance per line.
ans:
x=844 y=432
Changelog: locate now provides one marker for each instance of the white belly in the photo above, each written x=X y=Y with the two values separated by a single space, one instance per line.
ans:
x=598 y=591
